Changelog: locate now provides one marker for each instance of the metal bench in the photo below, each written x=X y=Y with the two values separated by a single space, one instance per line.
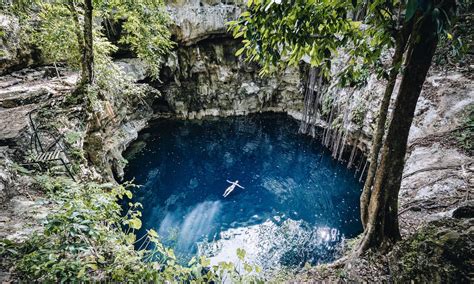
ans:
x=44 y=155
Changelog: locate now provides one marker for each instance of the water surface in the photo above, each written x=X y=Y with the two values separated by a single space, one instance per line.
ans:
x=297 y=206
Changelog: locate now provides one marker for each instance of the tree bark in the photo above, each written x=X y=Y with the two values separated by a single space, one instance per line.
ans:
x=88 y=50
x=400 y=45
x=382 y=225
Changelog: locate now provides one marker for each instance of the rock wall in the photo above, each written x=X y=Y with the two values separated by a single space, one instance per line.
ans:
x=204 y=77
x=195 y=20
x=208 y=79
x=13 y=53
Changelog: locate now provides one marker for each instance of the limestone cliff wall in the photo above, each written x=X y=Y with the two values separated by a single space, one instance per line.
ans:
x=208 y=79
x=195 y=20
x=204 y=77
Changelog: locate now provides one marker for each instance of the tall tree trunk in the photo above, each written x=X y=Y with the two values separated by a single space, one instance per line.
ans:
x=382 y=226
x=88 y=50
x=400 y=45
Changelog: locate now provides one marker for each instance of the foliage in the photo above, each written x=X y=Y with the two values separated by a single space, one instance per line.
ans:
x=338 y=122
x=276 y=33
x=453 y=48
x=358 y=114
x=281 y=33
x=327 y=105
x=145 y=30
x=56 y=34
x=439 y=252
x=83 y=240
x=59 y=35
x=112 y=84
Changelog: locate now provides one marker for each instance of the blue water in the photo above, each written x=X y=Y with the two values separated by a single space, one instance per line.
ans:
x=298 y=203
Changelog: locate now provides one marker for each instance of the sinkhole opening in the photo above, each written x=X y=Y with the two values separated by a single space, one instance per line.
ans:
x=297 y=204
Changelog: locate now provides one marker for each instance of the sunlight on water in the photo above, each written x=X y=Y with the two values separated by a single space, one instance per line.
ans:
x=297 y=205
x=194 y=227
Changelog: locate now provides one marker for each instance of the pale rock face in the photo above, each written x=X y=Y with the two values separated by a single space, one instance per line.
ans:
x=9 y=41
x=208 y=79
x=14 y=54
x=133 y=67
x=249 y=89
x=5 y=177
x=196 y=20
x=204 y=77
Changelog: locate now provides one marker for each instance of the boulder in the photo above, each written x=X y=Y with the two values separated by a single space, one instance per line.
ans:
x=14 y=124
x=12 y=53
x=440 y=252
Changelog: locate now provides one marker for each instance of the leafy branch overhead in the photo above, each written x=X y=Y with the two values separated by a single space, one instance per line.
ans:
x=273 y=32
x=280 y=33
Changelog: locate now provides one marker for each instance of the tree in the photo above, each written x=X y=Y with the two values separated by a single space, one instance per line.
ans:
x=72 y=31
x=382 y=228
x=88 y=49
x=279 y=33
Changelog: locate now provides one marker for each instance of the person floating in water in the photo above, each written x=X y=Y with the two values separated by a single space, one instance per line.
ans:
x=232 y=187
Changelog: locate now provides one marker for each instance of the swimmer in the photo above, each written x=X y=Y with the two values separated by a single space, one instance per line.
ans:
x=231 y=188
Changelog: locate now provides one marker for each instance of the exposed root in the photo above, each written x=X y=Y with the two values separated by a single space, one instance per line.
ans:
x=436 y=169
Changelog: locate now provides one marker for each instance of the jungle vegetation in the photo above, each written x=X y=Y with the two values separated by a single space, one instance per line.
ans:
x=85 y=243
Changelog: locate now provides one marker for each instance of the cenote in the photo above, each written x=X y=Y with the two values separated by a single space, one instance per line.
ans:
x=297 y=205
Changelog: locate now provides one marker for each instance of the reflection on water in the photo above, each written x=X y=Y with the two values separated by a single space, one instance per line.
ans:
x=297 y=205
x=274 y=243
x=195 y=226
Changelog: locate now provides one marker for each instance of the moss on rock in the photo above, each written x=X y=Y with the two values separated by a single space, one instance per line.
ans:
x=440 y=252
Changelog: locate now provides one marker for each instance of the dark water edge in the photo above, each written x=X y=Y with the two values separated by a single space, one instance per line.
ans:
x=298 y=204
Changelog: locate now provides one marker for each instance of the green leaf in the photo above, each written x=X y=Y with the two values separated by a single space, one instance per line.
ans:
x=92 y=266
x=241 y=253
x=82 y=272
x=204 y=261
x=245 y=14
x=135 y=223
x=240 y=51
x=248 y=267
x=130 y=238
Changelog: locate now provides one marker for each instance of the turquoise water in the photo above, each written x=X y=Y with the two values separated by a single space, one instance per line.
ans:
x=298 y=203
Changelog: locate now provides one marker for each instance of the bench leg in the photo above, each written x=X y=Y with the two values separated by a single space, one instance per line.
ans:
x=68 y=170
